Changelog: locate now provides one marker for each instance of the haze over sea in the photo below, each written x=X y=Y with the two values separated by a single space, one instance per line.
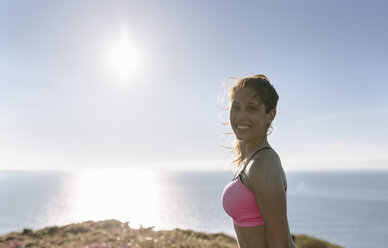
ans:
x=344 y=207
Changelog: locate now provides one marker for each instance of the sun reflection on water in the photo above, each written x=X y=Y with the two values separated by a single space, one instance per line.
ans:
x=126 y=195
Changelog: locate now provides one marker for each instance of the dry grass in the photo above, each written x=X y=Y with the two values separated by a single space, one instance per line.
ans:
x=114 y=234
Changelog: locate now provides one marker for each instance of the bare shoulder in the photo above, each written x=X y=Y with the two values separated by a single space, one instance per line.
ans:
x=266 y=171
x=266 y=161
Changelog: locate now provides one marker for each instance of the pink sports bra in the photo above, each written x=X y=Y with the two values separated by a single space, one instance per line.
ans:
x=240 y=203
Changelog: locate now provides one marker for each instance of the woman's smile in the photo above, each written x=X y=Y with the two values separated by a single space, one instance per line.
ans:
x=242 y=127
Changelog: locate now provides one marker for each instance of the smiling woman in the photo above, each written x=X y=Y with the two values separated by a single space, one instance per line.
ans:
x=256 y=197
x=123 y=58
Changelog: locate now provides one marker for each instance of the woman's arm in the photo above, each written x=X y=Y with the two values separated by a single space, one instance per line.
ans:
x=266 y=177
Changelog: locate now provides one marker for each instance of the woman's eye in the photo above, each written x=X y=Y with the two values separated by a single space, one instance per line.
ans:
x=234 y=108
x=252 y=108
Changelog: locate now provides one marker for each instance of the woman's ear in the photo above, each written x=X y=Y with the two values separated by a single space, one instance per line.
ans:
x=271 y=115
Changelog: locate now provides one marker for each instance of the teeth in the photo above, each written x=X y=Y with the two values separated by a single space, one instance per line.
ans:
x=242 y=126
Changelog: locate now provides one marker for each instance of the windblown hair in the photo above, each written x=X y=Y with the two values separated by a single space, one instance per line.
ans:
x=266 y=94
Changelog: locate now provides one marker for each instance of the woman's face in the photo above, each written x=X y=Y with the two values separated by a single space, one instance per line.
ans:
x=247 y=116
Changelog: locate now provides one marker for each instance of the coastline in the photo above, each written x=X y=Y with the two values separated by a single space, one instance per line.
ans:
x=113 y=233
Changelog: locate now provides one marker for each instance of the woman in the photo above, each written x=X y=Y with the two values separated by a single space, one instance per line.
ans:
x=256 y=198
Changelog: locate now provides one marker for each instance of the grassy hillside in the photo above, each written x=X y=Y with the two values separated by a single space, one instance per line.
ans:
x=114 y=234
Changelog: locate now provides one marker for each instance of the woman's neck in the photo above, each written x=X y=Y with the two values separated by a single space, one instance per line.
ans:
x=248 y=148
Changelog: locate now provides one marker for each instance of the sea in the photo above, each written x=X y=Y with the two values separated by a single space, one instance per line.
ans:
x=348 y=208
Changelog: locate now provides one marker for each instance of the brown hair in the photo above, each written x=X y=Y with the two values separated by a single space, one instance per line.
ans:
x=266 y=94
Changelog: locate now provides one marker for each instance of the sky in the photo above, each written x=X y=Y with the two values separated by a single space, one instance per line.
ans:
x=139 y=84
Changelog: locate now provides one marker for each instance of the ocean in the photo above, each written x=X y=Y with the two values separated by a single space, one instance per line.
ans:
x=349 y=208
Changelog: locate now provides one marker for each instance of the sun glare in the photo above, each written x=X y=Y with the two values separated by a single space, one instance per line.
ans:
x=124 y=58
x=126 y=195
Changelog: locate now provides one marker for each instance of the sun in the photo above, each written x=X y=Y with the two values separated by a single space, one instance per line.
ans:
x=124 y=59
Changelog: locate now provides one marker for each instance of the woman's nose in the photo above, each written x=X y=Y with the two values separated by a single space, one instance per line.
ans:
x=241 y=115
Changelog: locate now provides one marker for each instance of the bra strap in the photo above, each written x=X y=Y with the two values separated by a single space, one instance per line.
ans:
x=263 y=148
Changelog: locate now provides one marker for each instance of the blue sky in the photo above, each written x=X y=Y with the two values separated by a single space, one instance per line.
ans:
x=64 y=106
